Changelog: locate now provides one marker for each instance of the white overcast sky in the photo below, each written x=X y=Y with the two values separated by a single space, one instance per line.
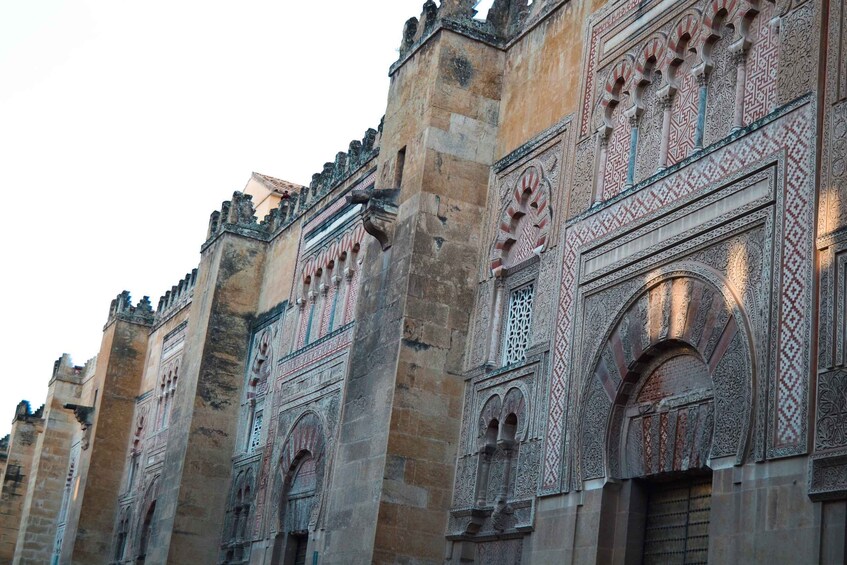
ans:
x=123 y=125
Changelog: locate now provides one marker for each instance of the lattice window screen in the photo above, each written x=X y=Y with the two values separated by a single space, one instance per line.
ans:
x=518 y=325
x=256 y=434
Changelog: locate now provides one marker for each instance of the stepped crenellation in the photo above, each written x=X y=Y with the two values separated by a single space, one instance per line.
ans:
x=65 y=369
x=178 y=296
x=24 y=411
x=238 y=213
x=503 y=22
x=121 y=307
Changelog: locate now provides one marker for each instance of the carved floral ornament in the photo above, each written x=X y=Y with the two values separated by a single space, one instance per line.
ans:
x=832 y=410
x=524 y=224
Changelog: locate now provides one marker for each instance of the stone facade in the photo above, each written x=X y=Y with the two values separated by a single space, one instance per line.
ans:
x=19 y=452
x=577 y=299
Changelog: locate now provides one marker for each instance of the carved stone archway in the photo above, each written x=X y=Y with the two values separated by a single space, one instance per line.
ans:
x=304 y=448
x=677 y=361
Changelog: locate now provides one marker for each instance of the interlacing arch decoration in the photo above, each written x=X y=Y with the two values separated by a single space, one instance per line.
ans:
x=712 y=17
x=687 y=318
x=167 y=390
x=330 y=303
x=525 y=222
x=684 y=60
x=737 y=14
x=615 y=132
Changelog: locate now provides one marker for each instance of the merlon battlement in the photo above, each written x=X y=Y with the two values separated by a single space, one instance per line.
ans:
x=178 y=296
x=64 y=369
x=238 y=214
x=24 y=411
x=122 y=308
x=504 y=20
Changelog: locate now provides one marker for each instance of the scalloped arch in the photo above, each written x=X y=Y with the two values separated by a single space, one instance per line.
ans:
x=336 y=250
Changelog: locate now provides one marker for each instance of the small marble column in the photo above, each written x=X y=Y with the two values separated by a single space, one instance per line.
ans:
x=485 y=455
x=508 y=448
x=496 y=320
x=666 y=97
x=603 y=153
x=633 y=115
x=701 y=72
x=738 y=52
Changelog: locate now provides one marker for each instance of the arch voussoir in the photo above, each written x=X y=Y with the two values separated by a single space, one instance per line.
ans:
x=681 y=345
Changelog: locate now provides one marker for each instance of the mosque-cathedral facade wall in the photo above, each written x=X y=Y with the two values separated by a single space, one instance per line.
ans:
x=579 y=298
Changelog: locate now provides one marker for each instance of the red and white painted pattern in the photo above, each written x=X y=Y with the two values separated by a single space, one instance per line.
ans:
x=525 y=223
x=685 y=33
x=652 y=53
x=597 y=33
x=348 y=308
x=792 y=134
x=715 y=7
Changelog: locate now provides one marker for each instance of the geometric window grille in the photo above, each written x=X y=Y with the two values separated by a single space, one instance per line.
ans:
x=518 y=325
x=256 y=434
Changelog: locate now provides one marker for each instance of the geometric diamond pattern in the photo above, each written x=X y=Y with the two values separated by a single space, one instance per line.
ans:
x=791 y=134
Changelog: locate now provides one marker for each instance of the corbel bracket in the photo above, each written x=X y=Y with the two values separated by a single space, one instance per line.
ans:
x=379 y=212
x=84 y=415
